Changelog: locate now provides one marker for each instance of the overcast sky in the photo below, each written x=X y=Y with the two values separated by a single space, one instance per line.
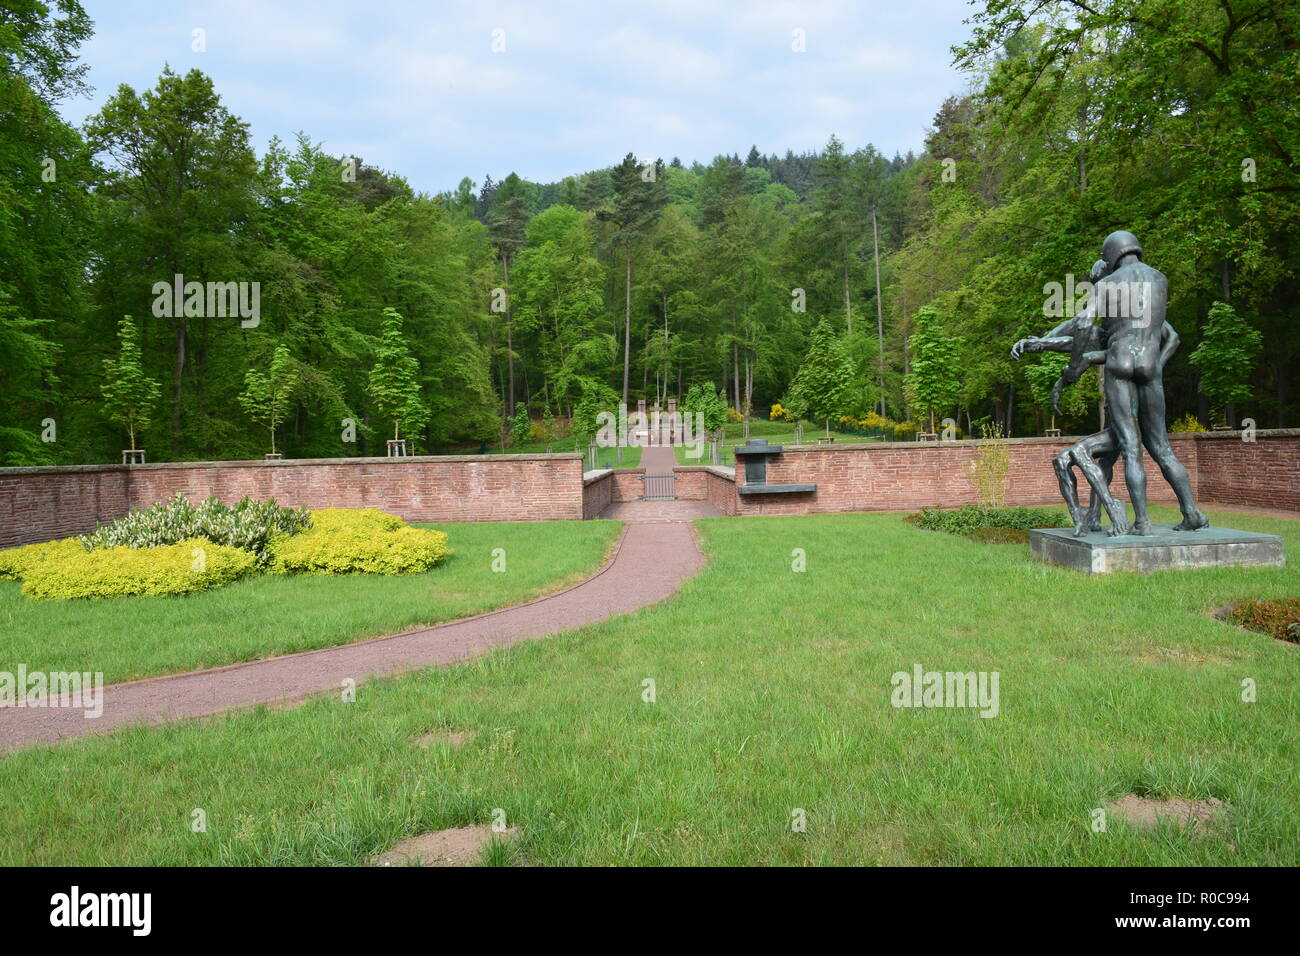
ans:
x=418 y=88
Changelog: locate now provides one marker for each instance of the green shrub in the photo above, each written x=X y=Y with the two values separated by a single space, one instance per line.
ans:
x=344 y=541
x=195 y=564
x=1188 y=423
x=1280 y=619
x=969 y=519
x=247 y=525
x=15 y=562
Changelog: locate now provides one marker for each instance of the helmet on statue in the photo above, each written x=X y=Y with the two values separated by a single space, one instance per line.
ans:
x=1117 y=245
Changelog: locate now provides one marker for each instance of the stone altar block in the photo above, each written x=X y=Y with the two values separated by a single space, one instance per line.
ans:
x=1164 y=549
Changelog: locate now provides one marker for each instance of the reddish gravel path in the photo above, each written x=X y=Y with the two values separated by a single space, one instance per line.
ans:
x=658 y=459
x=650 y=563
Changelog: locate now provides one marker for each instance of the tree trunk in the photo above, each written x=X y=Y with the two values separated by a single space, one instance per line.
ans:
x=735 y=362
x=880 y=319
x=177 y=390
x=627 y=319
x=848 y=307
x=510 y=344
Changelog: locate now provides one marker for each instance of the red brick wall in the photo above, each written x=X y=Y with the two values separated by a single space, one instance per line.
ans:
x=628 y=484
x=597 y=492
x=894 y=476
x=1264 y=473
x=37 y=504
x=721 y=487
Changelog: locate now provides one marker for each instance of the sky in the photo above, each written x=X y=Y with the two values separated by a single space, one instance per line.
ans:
x=439 y=90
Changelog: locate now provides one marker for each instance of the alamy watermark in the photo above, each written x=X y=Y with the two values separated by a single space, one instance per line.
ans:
x=644 y=429
x=922 y=688
x=211 y=300
x=1120 y=298
x=74 y=689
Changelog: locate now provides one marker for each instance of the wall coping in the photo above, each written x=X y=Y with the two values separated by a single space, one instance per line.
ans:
x=719 y=470
x=282 y=463
x=1032 y=440
x=591 y=477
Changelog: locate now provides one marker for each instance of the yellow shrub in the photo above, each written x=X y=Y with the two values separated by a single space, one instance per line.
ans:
x=346 y=541
x=1188 y=423
x=14 y=562
x=182 y=568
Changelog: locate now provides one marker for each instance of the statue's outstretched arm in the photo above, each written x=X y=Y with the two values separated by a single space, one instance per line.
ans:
x=1169 y=343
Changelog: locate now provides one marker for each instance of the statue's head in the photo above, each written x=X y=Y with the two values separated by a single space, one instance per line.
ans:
x=1117 y=245
x=1098 y=271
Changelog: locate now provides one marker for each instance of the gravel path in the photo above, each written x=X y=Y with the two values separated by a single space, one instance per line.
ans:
x=650 y=563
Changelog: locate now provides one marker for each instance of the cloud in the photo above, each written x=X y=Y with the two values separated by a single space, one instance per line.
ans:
x=577 y=86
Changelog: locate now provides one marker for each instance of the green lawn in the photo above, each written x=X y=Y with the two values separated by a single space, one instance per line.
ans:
x=128 y=638
x=776 y=433
x=773 y=693
x=607 y=457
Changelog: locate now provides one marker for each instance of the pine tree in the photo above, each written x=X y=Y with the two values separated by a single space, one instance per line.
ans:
x=823 y=386
x=639 y=198
x=129 y=395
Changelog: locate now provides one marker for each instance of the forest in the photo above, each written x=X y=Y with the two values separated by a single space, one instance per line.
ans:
x=318 y=306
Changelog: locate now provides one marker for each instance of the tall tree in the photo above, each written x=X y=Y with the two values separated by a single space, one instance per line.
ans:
x=507 y=224
x=181 y=184
x=129 y=394
x=639 y=198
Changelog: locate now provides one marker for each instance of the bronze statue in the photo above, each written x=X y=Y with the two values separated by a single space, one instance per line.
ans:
x=1134 y=343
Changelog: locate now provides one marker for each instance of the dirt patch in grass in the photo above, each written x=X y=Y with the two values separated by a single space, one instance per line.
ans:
x=1181 y=655
x=454 y=739
x=1279 y=619
x=999 y=535
x=1147 y=813
x=458 y=846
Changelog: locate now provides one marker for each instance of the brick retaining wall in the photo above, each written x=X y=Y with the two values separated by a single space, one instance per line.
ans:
x=597 y=491
x=37 y=504
x=896 y=476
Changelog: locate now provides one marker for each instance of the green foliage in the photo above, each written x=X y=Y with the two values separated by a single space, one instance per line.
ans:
x=1074 y=124
x=520 y=426
x=934 y=384
x=268 y=396
x=1226 y=355
x=248 y=525
x=596 y=398
x=823 y=387
x=184 y=567
x=129 y=394
x=702 y=397
x=971 y=518
x=366 y=541
x=394 y=378
x=1187 y=424
x=16 y=562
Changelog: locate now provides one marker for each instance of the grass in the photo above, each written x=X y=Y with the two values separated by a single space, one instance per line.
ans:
x=772 y=694
x=607 y=457
x=267 y=615
x=776 y=433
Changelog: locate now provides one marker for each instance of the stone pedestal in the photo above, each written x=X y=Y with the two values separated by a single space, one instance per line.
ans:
x=1163 y=549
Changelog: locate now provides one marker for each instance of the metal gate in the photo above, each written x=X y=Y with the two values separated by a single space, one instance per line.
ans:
x=658 y=487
